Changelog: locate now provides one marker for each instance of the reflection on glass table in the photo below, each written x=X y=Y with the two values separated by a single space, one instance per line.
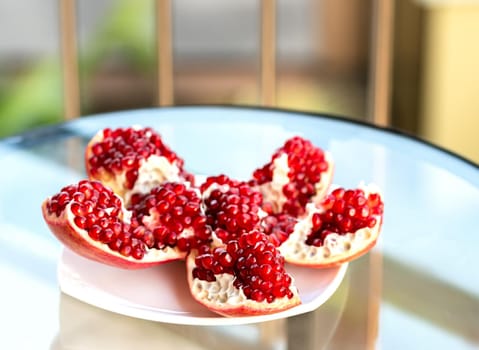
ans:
x=416 y=289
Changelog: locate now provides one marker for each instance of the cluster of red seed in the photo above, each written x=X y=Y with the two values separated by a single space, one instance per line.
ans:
x=97 y=210
x=232 y=210
x=168 y=210
x=278 y=227
x=345 y=211
x=254 y=261
x=124 y=149
x=306 y=163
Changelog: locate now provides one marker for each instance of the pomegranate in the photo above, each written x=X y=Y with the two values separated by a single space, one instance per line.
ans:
x=298 y=173
x=132 y=160
x=236 y=236
x=345 y=225
x=244 y=277
x=91 y=220
x=232 y=207
x=173 y=212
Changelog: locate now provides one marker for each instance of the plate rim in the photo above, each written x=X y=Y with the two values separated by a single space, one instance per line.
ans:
x=88 y=294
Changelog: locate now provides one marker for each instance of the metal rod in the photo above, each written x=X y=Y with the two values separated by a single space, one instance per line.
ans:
x=164 y=52
x=268 y=52
x=379 y=98
x=68 y=45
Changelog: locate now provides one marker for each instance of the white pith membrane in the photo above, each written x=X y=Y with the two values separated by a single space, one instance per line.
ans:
x=151 y=254
x=153 y=171
x=222 y=297
x=273 y=191
x=336 y=247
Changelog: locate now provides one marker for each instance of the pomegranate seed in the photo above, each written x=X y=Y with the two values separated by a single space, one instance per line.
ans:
x=115 y=245
x=76 y=209
x=125 y=250
x=138 y=253
x=316 y=219
x=106 y=235
x=265 y=272
x=257 y=295
x=225 y=259
x=371 y=222
x=90 y=220
x=94 y=232
x=80 y=222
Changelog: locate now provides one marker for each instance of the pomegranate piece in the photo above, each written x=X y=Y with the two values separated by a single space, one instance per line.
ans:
x=298 y=173
x=232 y=207
x=91 y=220
x=344 y=226
x=244 y=277
x=173 y=212
x=132 y=160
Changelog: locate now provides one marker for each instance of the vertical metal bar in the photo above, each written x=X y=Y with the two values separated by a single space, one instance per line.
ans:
x=164 y=52
x=379 y=112
x=268 y=52
x=68 y=44
x=381 y=54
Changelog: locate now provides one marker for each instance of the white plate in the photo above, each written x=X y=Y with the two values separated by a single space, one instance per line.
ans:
x=161 y=293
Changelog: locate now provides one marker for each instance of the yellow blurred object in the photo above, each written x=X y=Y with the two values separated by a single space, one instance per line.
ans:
x=450 y=77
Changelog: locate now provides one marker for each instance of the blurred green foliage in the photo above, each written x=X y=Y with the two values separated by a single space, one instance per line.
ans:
x=35 y=97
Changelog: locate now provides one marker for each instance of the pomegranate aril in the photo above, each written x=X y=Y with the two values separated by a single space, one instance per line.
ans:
x=91 y=220
x=338 y=193
x=76 y=208
x=346 y=225
x=266 y=272
x=279 y=291
x=266 y=258
x=94 y=232
x=363 y=212
x=338 y=206
x=149 y=239
x=138 y=253
x=115 y=244
x=225 y=259
x=257 y=295
x=359 y=201
x=125 y=250
x=80 y=221
x=106 y=235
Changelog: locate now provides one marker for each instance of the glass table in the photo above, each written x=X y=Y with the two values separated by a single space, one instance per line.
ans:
x=417 y=289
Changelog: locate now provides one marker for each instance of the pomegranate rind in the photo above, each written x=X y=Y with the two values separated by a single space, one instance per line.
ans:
x=337 y=248
x=273 y=191
x=223 y=298
x=78 y=241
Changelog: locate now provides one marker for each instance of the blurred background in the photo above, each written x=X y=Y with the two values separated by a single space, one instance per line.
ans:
x=412 y=65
